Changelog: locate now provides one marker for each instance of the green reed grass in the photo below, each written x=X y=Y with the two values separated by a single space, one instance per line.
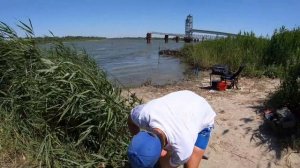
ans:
x=284 y=47
x=262 y=56
x=57 y=107
x=233 y=51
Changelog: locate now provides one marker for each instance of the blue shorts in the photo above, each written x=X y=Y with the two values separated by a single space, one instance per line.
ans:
x=203 y=138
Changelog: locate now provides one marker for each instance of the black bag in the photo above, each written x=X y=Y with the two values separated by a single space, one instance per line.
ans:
x=220 y=70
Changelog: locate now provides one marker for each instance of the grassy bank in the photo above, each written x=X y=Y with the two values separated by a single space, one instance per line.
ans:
x=57 y=108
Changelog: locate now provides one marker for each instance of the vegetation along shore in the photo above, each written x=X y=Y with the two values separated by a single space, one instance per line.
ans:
x=58 y=109
x=52 y=39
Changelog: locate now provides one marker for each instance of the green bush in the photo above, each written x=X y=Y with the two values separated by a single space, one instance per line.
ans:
x=284 y=48
x=284 y=56
x=289 y=91
x=57 y=106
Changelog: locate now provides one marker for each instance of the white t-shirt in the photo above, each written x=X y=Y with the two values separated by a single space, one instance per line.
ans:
x=181 y=116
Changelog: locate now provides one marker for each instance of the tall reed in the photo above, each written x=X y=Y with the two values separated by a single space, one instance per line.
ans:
x=262 y=56
x=57 y=107
x=284 y=48
x=233 y=51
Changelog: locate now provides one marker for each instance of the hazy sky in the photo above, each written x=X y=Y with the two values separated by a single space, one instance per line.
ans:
x=123 y=18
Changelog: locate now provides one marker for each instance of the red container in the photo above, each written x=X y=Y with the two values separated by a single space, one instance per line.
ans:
x=222 y=86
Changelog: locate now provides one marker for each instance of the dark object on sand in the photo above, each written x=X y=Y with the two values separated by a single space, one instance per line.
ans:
x=205 y=157
x=285 y=117
x=281 y=120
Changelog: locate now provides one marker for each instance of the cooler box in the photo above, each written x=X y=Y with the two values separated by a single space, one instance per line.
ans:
x=221 y=86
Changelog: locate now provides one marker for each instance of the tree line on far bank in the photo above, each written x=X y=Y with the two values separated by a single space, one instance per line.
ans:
x=48 y=39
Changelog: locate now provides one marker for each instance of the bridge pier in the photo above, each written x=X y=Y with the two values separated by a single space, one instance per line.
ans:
x=148 y=38
x=166 y=38
x=196 y=40
x=177 y=39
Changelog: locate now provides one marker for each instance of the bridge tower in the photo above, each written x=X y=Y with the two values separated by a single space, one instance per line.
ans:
x=189 y=26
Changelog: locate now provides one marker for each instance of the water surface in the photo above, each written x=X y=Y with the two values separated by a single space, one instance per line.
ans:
x=132 y=62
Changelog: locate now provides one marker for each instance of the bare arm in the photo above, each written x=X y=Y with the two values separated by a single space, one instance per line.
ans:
x=194 y=161
x=133 y=128
x=164 y=160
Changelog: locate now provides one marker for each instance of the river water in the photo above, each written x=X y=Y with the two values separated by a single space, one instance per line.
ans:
x=132 y=62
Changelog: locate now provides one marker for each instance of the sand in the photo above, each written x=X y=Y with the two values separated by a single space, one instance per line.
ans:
x=240 y=139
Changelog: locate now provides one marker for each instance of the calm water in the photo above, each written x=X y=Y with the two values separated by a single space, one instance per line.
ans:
x=132 y=62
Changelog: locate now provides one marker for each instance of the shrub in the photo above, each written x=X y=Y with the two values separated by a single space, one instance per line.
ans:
x=289 y=91
x=284 y=48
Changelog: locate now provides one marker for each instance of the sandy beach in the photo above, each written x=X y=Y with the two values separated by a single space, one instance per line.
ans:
x=240 y=139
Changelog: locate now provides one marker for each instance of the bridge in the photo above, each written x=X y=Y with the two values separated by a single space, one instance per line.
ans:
x=190 y=33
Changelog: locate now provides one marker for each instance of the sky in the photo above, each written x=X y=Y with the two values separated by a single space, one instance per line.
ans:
x=134 y=18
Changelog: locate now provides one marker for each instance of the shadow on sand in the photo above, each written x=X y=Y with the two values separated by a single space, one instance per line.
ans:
x=265 y=135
